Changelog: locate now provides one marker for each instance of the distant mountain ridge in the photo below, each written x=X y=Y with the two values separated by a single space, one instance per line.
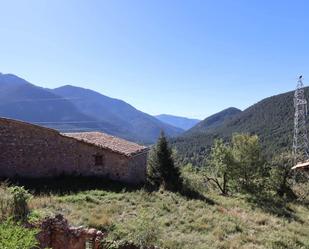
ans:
x=128 y=119
x=214 y=120
x=71 y=108
x=271 y=119
x=180 y=122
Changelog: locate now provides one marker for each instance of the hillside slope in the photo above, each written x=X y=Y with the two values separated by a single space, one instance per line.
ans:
x=24 y=101
x=75 y=109
x=142 y=126
x=174 y=221
x=214 y=120
x=271 y=119
x=180 y=122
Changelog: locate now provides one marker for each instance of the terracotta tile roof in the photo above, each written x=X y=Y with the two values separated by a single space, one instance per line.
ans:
x=108 y=142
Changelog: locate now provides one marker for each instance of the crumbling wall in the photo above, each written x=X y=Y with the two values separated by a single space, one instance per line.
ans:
x=56 y=233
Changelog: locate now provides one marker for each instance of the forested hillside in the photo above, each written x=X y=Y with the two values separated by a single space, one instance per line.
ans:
x=271 y=119
x=214 y=120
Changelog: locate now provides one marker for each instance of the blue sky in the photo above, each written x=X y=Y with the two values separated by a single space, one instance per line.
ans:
x=189 y=58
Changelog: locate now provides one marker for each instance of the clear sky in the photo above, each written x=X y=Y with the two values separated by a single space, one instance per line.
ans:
x=183 y=57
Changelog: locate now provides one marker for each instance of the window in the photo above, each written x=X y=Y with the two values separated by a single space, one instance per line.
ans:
x=98 y=160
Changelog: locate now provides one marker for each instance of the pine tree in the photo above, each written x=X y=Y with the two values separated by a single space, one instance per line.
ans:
x=161 y=167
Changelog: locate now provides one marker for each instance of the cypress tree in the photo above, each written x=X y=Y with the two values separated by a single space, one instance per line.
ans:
x=161 y=167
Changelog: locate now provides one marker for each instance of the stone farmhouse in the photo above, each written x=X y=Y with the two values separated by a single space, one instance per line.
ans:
x=28 y=150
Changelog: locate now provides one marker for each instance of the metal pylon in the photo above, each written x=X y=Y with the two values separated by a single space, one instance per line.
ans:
x=300 y=139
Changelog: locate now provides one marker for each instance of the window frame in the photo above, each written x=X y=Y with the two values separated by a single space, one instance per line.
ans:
x=98 y=160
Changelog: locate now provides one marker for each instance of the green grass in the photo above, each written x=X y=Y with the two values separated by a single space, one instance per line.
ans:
x=171 y=221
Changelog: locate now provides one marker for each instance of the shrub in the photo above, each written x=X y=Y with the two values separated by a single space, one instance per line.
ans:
x=145 y=232
x=20 y=205
x=281 y=174
x=14 y=236
x=13 y=202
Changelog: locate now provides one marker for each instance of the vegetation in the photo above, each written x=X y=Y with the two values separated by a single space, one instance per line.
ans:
x=13 y=202
x=282 y=175
x=238 y=166
x=214 y=121
x=15 y=236
x=171 y=220
x=13 y=211
x=162 y=171
x=271 y=119
x=260 y=202
x=220 y=166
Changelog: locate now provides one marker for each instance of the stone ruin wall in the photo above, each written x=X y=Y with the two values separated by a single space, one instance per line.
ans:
x=31 y=151
x=56 y=233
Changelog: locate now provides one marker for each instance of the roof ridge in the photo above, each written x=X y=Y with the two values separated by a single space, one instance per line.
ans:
x=107 y=141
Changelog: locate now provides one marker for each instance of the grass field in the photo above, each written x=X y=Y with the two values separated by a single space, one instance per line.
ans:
x=173 y=221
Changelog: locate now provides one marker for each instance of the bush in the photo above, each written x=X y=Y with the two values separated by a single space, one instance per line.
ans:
x=281 y=175
x=20 y=205
x=13 y=202
x=143 y=231
x=14 y=236
x=146 y=231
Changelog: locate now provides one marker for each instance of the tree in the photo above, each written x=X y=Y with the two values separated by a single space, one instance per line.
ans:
x=281 y=174
x=220 y=165
x=161 y=167
x=249 y=169
x=237 y=166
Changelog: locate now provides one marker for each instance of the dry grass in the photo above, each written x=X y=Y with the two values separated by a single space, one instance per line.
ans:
x=6 y=201
x=232 y=222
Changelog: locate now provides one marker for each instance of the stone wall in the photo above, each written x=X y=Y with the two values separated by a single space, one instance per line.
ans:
x=28 y=150
x=135 y=171
x=56 y=233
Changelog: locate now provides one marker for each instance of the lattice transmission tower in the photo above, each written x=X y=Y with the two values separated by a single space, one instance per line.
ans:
x=300 y=139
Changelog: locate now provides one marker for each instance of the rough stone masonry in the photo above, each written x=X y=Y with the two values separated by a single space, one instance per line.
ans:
x=28 y=150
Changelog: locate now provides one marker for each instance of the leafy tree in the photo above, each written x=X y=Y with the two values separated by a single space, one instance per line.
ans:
x=238 y=166
x=221 y=163
x=249 y=169
x=282 y=175
x=161 y=167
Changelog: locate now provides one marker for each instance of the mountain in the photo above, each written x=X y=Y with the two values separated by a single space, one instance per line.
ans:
x=271 y=119
x=214 y=121
x=22 y=100
x=180 y=122
x=71 y=108
x=133 y=123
